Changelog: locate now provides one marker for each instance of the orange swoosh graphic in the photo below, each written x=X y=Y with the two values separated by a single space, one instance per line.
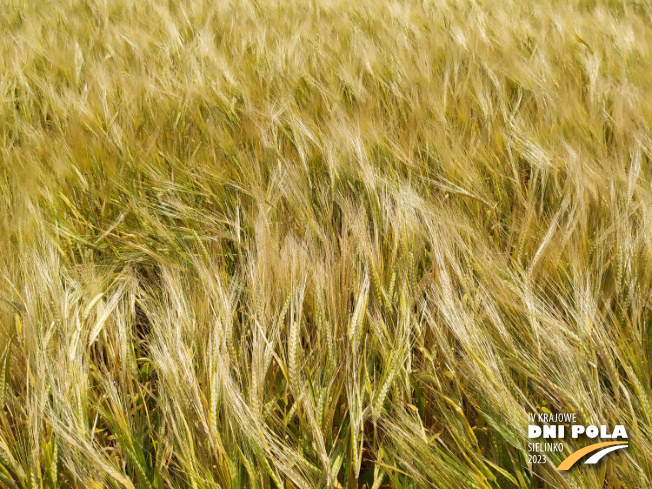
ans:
x=575 y=456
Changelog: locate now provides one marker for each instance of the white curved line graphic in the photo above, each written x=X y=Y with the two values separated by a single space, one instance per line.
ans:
x=597 y=456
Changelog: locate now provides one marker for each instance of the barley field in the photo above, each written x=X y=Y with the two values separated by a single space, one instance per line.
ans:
x=322 y=244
